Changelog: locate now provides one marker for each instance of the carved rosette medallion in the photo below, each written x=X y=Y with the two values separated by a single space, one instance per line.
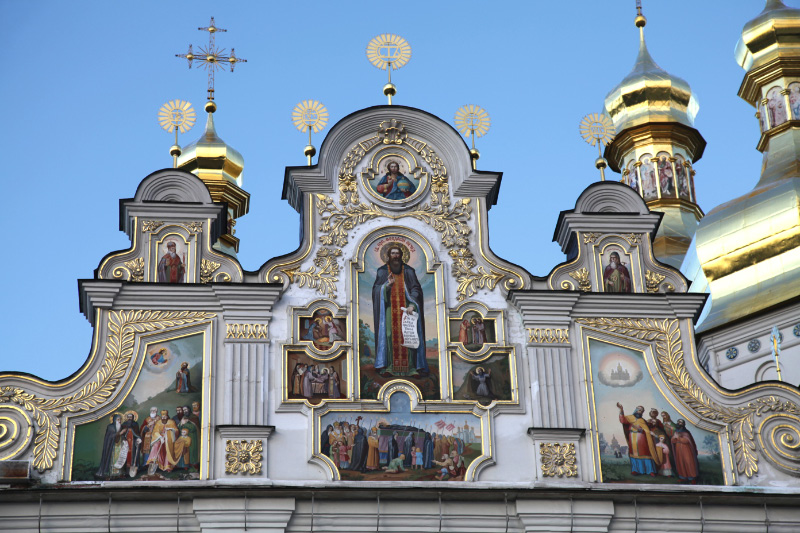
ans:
x=758 y=418
x=243 y=457
x=558 y=460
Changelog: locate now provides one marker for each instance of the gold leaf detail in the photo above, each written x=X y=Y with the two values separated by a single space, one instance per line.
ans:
x=195 y=227
x=122 y=329
x=151 y=225
x=548 y=335
x=323 y=280
x=582 y=277
x=666 y=335
x=246 y=331
x=558 y=459
x=653 y=280
x=243 y=457
x=134 y=267
x=207 y=269
x=469 y=281
x=633 y=238
x=590 y=237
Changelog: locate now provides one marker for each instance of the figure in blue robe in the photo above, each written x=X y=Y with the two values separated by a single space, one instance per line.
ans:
x=393 y=185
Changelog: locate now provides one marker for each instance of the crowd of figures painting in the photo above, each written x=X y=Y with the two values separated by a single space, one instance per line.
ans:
x=160 y=443
x=315 y=381
x=399 y=449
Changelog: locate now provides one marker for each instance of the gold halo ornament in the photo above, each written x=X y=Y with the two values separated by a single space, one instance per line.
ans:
x=310 y=115
x=598 y=130
x=384 y=253
x=176 y=115
x=387 y=52
x=472 y=120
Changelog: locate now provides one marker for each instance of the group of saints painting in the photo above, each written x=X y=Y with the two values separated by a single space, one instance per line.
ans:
x=394 y=294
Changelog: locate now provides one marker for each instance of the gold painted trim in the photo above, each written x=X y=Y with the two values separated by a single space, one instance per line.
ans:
x=130 y=325
x=271 y=275
x=548 y=335
x=6 y=439
x=134 y=243
x=243 y=330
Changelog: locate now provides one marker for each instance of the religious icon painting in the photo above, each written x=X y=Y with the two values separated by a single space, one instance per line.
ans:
x=473 y=331
x=323 y=329
x=483 y=381
x=666 y=177
x=156 y=433
x=616 y=268
x=393 y=176
x=397 y=326
x=172 y=255
x=312 y=380
x=400 y=445
x=642 y=437
x=647 y=172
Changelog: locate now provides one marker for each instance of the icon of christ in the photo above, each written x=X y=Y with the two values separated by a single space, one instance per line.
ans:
x=395 y=294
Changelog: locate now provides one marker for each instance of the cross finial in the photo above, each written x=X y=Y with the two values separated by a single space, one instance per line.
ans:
x=212 y=59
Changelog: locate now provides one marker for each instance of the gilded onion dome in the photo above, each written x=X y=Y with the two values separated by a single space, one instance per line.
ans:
x=650 y=94
x=655 y=147
x=220 y=167
x=749 y=247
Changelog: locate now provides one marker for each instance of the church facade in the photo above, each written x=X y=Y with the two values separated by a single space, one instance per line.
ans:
x=393 y=374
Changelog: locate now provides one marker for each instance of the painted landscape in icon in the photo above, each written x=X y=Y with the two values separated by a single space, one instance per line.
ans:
x=397 y=318
x=401 y=445
x=643 y=438
x=156 y=433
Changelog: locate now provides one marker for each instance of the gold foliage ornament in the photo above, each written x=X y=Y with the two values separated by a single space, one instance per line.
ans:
x=123 y=326
x=243 y=457
x=558 y=459
x=135 y=268
x=469 y=281
x=741 y=420
x=582 y=277
x=207 y=269
x=324 y=279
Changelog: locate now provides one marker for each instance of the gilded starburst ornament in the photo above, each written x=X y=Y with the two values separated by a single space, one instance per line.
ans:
x=310 y=115
x=388 y=51
x=472 y=120
x=597 y=128
x=176 y=115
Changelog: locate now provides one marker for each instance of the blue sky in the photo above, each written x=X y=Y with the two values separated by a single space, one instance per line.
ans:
x=83 y=82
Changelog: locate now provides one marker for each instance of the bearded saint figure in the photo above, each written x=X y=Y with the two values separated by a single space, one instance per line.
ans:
x=616 y=277
x=170 y=267
x=397 y=287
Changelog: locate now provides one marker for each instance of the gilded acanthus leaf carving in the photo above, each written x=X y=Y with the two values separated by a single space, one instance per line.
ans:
x=322 y=276
x=653 y=280
x=207 y=269
x=582 y=277
x=243 y=457
x=151 y=225
x=666 y=336
x=122 y=329
x=469 y=281
x=558 y=459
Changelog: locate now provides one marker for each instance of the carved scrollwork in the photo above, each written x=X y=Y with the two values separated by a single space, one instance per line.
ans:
x=469 y=281
x=348 y=193
x=207 y=269
x=741 y=420
x=243 y=457
x=195 y=227
x=324 y=279
x=589 y=238
x=653 y=280
x=134 y=268
x=582 y=277
x=558 y=459
x=151 y=225
x=633 y=238
x=122 y=329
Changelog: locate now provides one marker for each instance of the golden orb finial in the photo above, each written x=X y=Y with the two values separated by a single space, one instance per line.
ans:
x=640 y=20
x=176 y=115
x=310 y=115
x=473 y=121
x=597 y=129
x=388 y=52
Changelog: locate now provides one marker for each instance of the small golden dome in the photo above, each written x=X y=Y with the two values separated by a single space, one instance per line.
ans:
x=650 y=94
x=219 y=166
x=772 y=34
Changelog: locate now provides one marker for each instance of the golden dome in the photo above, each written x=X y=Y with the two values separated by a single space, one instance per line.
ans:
x=219 y=166
x=650 y=94
x=771 y=35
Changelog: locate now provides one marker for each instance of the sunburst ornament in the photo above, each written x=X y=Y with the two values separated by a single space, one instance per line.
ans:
x=472 y=120
x=310 y=115
x=598 y=130
x=176 y=115
x=387 y=52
